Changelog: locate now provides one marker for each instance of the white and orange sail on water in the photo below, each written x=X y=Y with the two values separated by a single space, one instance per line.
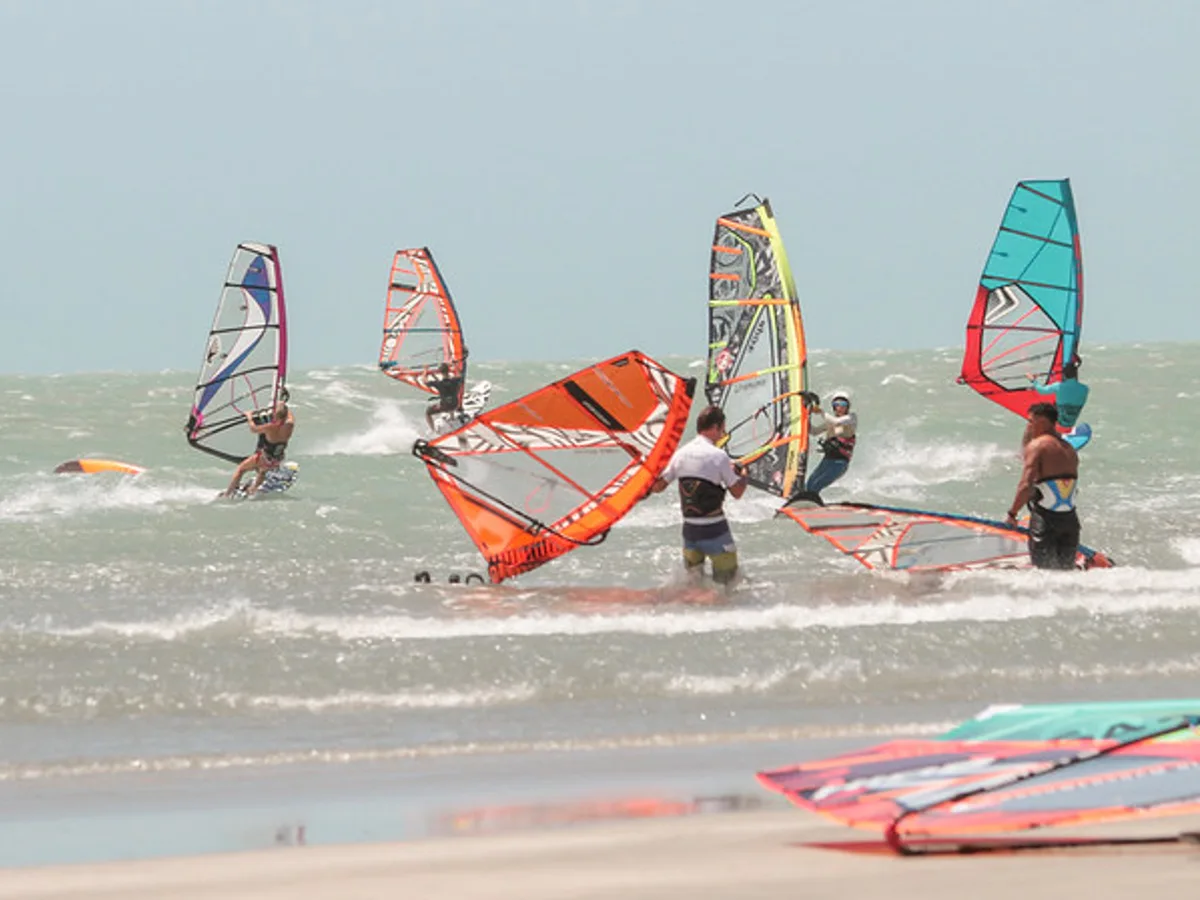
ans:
x=555 y=470
x=422 y=330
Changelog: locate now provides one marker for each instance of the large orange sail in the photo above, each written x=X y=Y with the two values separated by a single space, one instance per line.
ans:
x=557 y=468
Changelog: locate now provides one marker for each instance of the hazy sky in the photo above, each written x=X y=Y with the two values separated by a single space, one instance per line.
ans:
x=565 y=161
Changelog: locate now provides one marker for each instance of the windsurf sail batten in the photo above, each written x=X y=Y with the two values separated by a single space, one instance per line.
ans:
x=556 y=469
x=245 y=359
x=757 y=359
x=421 y=326
x=1028 y=311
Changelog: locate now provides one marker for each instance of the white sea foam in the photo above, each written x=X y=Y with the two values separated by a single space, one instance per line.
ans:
x=89 y=494
x=341 y=393
x=212 y=762
x=897 y=466
x=1061 y=594
x=390 y=432
x=364 y=700
x=755 y=682
x=1189 y=549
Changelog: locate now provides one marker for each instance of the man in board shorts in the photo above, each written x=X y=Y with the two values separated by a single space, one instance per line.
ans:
x=705 y=473
x=1047 y=485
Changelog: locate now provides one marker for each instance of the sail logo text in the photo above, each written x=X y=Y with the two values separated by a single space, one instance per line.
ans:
x=755 y=333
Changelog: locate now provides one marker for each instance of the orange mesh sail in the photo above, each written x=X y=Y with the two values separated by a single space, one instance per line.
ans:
x=556 y=469
x=421 y=329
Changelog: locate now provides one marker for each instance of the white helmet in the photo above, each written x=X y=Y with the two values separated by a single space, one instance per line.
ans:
x=839 y=394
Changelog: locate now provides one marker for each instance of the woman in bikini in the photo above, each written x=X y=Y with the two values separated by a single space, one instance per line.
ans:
x=273 y=437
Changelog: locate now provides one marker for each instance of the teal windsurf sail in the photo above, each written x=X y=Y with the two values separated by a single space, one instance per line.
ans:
x=1028 y=309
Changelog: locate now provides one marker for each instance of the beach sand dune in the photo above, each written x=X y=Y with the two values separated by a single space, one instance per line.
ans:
x=745 y=855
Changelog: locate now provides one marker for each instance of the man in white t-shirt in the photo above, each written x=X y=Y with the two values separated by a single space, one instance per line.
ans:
x=705 y=473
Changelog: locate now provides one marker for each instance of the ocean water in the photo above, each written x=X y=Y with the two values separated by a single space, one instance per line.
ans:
x=146 y=627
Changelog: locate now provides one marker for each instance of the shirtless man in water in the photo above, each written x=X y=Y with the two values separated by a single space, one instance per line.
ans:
x=1047 y=485
x=273 y=437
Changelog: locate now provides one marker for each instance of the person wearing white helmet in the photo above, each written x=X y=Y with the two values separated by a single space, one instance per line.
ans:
x=839 y=427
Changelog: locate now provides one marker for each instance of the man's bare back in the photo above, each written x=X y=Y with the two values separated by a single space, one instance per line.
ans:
x=1049 y=456
x=279 y=432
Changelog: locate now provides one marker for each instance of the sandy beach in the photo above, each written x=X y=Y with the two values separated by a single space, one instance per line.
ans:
x=737 y=855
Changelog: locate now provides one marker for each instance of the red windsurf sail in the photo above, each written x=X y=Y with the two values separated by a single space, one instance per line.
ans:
x=939 y=788
x=421 y=328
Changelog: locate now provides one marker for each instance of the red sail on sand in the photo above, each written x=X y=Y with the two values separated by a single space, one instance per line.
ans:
x=557 y=468
x=915 y=790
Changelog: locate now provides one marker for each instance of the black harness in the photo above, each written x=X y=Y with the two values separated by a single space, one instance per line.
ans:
x=271 y=451
x=699 y=498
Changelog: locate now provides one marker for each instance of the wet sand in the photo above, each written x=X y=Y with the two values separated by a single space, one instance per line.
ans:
x=760 y=854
